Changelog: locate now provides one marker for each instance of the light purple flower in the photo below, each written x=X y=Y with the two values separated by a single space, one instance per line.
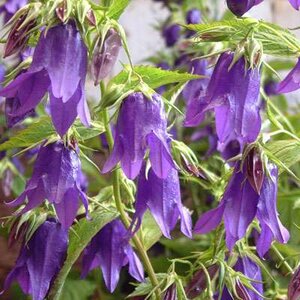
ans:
x=240 y=7
x=40 y=260
x=59 y=67
x=162 y=197
x=233 y=92
x=10 y=7
x=241 y=204
x=171 y=33
x=295 y=4
x=291 y=82
x=57 y=178
x=141 y=125
x=110 y=250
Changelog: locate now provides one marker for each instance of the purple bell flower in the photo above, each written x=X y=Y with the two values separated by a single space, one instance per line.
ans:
x=110 y=250
x=57 y=178
x=240 y=7
x=162 y=197
x=59 y=67
x=40 y=260
x=291 y=82
x=193 y=16
x=171 y=34
x=234 y=95
x=10 y=7
x=141 y=124
x=295 y=4
x=241 y=204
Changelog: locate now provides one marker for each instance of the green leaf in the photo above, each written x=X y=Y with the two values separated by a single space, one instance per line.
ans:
x=117 y=8
x=80 y=236
x=86 y=133
x=151 y=231
x=33 y=134
x=287 y=151
x=152 y=76
x=77 y=289
x=275 y=39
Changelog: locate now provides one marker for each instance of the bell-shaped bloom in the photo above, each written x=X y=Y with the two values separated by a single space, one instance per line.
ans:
x=105 y=55
x=162 y=197
x=171 y=34
x=57 y=178
x=241 y=204
x=40 y=260
x=10 y=7
x=295 y=4
x=233 y=92
x=141 y=125
x=240 y=7
x=59 y=67
x=110 y=250
x=291 y=82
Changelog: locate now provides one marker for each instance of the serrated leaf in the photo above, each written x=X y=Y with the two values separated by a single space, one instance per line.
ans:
x=80 y=236
x=86 y=133
x=78 y=289
x=33 y=134
x=275 y=39
x=117 y=8
x=287 y=151
x=152 y=76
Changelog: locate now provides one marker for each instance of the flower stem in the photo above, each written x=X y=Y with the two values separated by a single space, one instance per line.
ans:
x=282 y=259
x=120 y=207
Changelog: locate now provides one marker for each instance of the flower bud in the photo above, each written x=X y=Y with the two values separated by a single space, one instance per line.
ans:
x=171 y=293
x=254 y=169
x=105 y=55
x=241 y=291
x=294 y=286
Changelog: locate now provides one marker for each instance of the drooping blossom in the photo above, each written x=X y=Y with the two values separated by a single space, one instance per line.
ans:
x=239 y=206
x=59 y=67
x=171 y=34
x=162 y=197
x=141 y=125
x=295 y=4
x=57 y=178
x=10 y=7
x=40 y=260
x=240 y=7
x=110 y=250
x=105 y=55
x=193 y=16
x=294 y=286
x=233 y=93
x=291 y=82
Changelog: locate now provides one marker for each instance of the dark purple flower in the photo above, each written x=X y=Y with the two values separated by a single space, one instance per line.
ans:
x=105 y=55
x=294 y=286
x=110 y=250
x=241 y=204
x=40 y=260
x=59 y=67
x=233 y=92
x=295 y=4
x=196 y=88
x=141 y=125
x=171 y=293
x=193 y=16
x=162 y=197
x=171 y=33
x=165 y=66
x=270 y=87
x=56 y=177
x=291 y=82
x=240 y=7
x=10 y=7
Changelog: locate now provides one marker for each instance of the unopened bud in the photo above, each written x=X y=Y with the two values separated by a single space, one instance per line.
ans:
x=294 y=286
x=171 y=293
